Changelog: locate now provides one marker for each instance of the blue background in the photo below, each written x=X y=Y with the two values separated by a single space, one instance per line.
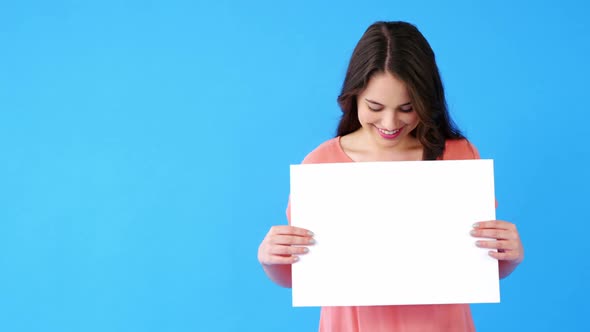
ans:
x=145 y=145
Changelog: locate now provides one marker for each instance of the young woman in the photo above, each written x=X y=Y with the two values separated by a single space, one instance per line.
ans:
x=394 y=108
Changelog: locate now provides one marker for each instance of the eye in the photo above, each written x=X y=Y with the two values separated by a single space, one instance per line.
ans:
x=374 y=109
x=406 y=109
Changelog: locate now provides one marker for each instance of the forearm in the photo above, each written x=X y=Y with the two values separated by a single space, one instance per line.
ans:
x=506 y=268
x=279 y=274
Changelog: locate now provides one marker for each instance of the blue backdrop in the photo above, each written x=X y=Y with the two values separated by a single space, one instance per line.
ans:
x=145 y=150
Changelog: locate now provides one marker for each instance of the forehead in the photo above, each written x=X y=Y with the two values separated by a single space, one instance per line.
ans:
x=386 y=89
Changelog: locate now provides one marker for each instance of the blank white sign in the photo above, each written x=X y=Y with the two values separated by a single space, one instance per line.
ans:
x=393 y=233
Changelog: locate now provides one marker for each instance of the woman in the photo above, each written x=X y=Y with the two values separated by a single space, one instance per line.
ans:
x=394 y=109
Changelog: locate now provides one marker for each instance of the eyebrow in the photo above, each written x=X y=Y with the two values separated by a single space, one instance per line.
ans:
x=376 y=103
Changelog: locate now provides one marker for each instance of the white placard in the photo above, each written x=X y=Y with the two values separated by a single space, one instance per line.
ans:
x=392 y=233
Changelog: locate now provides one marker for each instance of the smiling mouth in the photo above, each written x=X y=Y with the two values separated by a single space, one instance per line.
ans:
x=389 y=132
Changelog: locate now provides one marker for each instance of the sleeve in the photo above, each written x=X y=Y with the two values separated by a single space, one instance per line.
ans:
x=289 y=211
x=309 y=159
x=476 y=155
x=474 y=151
x=314 y=157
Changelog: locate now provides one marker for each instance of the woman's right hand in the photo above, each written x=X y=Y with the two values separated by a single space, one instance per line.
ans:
x=283 y=244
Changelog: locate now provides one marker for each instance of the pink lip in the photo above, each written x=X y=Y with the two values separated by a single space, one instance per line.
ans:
x=392 y=136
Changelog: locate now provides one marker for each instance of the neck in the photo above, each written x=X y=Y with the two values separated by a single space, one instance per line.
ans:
x=362 y=147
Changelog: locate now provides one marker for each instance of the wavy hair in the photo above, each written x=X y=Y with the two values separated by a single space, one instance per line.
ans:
x=400 y=49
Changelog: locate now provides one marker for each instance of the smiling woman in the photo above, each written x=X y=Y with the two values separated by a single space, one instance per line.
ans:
x=394 y=62
x=394 y=109
x=386 y=121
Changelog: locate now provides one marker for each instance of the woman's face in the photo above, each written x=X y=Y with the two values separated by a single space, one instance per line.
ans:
x=385 y=112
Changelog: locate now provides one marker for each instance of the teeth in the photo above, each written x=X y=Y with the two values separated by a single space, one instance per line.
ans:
x=388 y=132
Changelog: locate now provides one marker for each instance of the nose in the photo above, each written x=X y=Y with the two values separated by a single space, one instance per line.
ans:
x=389 y=120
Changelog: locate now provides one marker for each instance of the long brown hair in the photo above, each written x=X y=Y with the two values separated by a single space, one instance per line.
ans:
x=400 y=49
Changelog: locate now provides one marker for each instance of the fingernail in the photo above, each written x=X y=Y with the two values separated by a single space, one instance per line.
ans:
x=472 y=232
x=305 y=250
x=478 y=243
x=295 y=258
x=476 y=225
x=311 y=241
x=310 y=233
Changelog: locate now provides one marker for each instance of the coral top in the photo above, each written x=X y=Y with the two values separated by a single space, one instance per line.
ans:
x=402 y=318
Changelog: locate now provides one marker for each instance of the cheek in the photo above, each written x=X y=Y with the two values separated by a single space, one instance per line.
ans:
x=366 y=116
x=363 y=116
x=410 y=118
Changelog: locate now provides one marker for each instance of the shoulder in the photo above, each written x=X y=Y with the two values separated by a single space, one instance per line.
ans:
x=460 y=149
x=327 y=152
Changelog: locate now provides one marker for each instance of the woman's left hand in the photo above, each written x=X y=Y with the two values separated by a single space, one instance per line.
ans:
x=506 y=240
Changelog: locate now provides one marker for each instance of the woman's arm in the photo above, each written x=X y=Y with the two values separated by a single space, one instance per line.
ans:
x=505 y=238
x=280 y=248
x=279 y=274
x=506 y=268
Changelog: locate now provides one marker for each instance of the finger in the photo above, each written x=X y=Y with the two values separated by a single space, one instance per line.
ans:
x=276 y=260
x=288 y=250
x=290 y=230
x=499 y=234
x=291 y=240
x=500 y=224
x=510 y=255
x=500 y=244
